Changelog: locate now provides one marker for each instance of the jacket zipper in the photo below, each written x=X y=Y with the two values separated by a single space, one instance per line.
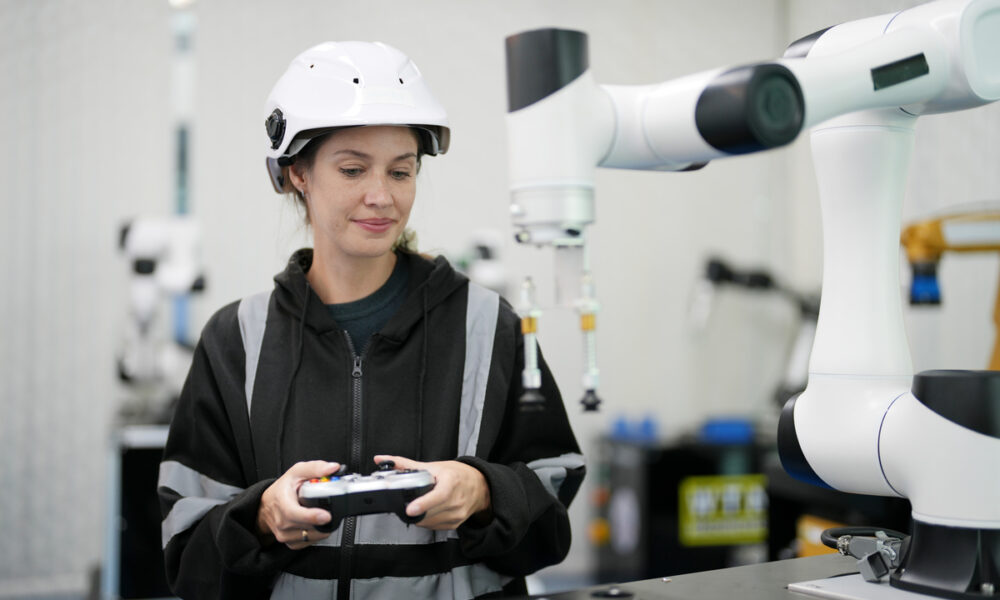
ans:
x=350 y=523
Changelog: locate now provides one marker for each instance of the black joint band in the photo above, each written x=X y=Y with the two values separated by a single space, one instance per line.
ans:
x=790 y=451
x=967 y=398
x=541 y=62
x=751 y=108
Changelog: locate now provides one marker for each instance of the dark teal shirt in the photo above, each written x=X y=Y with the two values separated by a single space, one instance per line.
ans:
x=362 y=318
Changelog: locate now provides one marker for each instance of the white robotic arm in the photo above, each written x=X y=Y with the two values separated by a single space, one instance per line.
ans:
x=164 y=254
x=865 y=424
x=858 y=427
x=165 y=259
x=861 y=162
x=562 y=124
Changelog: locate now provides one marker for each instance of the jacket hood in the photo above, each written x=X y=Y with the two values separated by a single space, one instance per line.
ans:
x=430 y=283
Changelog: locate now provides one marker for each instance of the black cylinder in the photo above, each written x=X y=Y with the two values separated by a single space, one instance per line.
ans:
x=790 y=450
x=967 y=398
x=751 y=108
x=541 y=62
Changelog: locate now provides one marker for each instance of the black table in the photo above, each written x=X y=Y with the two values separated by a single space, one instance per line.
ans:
x=765 y=581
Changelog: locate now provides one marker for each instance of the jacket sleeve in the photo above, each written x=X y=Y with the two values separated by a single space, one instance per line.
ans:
x=207 y=486
x=534 y=470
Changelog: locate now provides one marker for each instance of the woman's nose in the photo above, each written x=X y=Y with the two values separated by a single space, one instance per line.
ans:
x=378 y=193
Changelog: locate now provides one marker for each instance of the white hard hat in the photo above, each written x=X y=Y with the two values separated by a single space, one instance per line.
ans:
x=348 y=84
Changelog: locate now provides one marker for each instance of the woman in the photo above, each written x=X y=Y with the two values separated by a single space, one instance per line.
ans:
x=363 y=352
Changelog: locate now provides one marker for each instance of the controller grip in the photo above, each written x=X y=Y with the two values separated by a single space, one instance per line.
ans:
x=330 y=526
x=389 y=501
x=401 y=513
x=410 y=496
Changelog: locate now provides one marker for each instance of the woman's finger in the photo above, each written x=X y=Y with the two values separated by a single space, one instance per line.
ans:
x=400 y=462
x=297 y=538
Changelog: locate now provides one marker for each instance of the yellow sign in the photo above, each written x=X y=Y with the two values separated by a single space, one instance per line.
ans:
x=723 y=510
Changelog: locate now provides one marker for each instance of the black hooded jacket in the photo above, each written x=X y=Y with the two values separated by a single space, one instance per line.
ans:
x=276 y=381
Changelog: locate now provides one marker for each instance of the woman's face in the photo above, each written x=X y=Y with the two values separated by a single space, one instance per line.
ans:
x=360 y=189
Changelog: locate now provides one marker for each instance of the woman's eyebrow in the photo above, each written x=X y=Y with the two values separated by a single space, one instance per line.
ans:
x=352 y=153
x=363 y=155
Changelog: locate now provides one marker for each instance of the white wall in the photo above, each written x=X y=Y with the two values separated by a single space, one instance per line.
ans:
x=86 y=96
x=83 y=99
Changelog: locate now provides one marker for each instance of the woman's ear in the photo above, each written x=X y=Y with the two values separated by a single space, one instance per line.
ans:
x=297 y=178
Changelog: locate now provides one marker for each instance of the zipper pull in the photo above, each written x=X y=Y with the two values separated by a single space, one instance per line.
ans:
x=357 y=367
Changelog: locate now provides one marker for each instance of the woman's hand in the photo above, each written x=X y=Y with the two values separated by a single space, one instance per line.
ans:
x=460 y=492
x=280 y=514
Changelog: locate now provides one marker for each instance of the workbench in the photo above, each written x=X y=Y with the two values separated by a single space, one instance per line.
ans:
x=765 y=581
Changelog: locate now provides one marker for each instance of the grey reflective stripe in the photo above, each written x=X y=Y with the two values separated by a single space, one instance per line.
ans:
x=252 y=314
x=289 y=587
x=183 y=514
x=388 y=529
x=552 y=471
x=458 y=584
x=334 y=539
x=187 y=482
x=200 y=495
x=480 y=329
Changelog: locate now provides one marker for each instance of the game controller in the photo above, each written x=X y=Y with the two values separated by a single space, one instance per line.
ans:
x=384 y=491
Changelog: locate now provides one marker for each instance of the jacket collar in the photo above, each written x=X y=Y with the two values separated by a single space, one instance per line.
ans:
x=434 y=279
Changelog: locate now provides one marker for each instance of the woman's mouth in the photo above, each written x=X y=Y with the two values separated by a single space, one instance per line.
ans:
x=374 y=225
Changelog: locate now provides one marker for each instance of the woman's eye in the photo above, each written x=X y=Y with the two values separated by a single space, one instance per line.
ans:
x=350 y=171
x=400 y=175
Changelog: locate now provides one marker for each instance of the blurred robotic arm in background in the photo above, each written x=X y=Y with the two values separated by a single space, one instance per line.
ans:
x=719 y=273
x=164 y=263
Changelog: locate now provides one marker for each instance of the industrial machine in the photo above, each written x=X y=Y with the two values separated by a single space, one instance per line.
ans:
x=165 y=265
x=719 y=273
x=857 y=427
x=927 y=240
x=482 y=260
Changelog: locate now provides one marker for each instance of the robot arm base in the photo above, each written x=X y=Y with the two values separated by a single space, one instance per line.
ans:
x=949 y=561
